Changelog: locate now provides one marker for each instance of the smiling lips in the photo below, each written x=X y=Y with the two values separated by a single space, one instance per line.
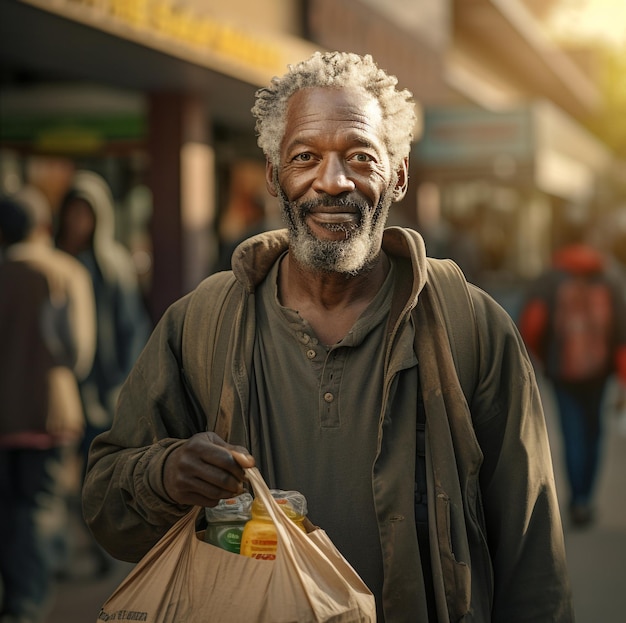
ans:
x=335 y=218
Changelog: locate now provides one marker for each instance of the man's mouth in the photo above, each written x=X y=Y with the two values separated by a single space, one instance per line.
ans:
x=335 y=218
x=334 y=215
x=337 y=222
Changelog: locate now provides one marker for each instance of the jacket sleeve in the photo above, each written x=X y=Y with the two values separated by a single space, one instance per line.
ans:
x=132 y=324
x=524 y=530
x=124 y=501
x=81 y=320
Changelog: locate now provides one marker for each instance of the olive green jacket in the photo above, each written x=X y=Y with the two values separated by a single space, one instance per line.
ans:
x=495 y=530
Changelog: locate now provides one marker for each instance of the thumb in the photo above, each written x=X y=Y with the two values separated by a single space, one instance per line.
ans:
x=244 y=459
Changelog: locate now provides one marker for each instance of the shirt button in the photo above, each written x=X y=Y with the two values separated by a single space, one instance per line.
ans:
x=306 y=338
x=310 y=353
x=328 y=397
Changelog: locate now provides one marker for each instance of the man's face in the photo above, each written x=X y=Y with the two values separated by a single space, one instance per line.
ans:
x=335 y=180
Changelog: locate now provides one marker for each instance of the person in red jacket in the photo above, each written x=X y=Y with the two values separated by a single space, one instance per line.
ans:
x=574 y=325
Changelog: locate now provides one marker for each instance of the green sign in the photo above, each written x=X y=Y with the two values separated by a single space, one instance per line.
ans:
x=70 y=133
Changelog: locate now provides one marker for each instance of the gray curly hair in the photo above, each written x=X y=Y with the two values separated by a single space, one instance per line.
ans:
x=336 y=69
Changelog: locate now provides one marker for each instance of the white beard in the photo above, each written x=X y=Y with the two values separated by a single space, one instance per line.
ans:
x=350 y=256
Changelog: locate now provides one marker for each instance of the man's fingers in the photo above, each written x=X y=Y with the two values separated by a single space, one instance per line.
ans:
x=242 y=457
x=206 y=469
x=201 y=493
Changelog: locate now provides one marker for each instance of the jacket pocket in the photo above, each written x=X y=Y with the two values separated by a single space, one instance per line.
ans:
x=456 y=572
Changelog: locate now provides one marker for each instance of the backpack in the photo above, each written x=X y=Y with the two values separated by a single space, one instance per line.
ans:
x=580 y=347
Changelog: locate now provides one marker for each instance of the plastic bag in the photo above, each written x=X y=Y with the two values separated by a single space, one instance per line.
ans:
x=182 y=579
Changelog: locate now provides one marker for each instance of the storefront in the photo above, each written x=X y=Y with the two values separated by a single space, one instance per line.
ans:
x=167 y=85
x=508 y=179
x=155 y=96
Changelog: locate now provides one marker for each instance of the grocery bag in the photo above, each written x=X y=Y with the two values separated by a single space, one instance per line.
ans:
x=182 y=579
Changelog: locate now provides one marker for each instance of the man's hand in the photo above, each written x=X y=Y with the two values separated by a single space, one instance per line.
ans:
x=204 y=470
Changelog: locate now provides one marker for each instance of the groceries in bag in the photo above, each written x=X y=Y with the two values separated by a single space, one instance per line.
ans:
x=309 y=582
x=259 y=539
x=226 y=521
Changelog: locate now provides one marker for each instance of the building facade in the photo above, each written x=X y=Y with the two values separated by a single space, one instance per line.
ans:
x=156 y=96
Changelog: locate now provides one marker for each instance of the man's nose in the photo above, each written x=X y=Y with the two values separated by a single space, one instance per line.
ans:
x=332 y=177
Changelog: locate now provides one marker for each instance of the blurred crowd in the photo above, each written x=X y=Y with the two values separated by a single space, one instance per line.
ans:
x=72 y=323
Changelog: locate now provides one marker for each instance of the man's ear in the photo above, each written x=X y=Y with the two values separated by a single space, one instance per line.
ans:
x=402 y=184
x=270 y=181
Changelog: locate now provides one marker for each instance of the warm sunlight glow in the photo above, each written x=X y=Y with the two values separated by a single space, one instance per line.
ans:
x=590 y=19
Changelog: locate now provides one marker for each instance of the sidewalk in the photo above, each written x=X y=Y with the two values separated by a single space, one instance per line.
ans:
x=596 y=555
x=78 y=600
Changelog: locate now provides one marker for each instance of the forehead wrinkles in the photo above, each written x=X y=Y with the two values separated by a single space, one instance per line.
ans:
x=357 y=126
x=331 y=111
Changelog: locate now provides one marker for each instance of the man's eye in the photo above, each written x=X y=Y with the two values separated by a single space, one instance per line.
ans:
x=361 y=157
x=303 y=157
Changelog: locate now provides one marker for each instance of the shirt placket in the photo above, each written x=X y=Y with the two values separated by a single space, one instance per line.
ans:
x=327 y=364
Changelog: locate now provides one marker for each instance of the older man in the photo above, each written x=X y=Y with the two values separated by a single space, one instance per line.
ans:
x=334 y=369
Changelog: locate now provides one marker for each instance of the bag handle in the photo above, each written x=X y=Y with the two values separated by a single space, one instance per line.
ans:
x=285 y=527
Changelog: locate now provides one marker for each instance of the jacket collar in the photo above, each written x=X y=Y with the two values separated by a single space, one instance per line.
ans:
x=253 y=259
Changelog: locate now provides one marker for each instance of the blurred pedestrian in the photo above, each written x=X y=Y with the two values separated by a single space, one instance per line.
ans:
x=47 y=332
x=574 y=323
x=13 y=224
x=245 y=214
x=452 y=238
x=86 y=226
x=252 y=222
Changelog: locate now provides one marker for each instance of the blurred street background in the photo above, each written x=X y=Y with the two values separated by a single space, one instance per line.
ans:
x=521 y=132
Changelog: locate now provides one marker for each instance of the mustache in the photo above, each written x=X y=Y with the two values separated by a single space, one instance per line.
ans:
x=328 y=201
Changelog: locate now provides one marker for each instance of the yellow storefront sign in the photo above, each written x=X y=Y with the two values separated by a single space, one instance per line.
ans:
x=182 y=31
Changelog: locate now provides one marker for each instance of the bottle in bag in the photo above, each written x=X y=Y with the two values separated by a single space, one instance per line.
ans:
x=259 y=539
x=226 y=522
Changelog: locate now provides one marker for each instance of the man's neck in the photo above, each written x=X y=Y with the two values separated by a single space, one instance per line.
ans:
x=330 y=302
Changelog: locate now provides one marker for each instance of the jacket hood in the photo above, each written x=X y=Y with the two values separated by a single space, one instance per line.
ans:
x=253 y=258
x=113 y=259
x=94 y=190
x=579 y=259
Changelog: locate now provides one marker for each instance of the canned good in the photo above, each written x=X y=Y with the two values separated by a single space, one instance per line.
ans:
x=226 y=522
